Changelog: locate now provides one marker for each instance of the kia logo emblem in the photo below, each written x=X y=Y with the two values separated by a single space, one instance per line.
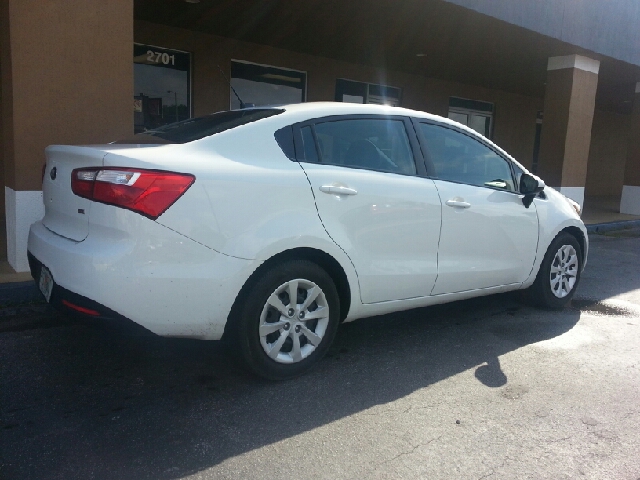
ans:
x=53 y=173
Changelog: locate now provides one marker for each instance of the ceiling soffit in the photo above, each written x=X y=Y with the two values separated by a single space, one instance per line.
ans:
x=432 y=38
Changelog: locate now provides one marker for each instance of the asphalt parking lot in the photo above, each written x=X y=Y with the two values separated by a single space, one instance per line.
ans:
x=488 y=388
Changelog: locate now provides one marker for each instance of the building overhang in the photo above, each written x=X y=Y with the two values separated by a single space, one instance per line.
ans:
x=432 y=38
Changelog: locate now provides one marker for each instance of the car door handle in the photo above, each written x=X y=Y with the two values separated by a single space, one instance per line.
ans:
x=332 y=189
x=457 y=204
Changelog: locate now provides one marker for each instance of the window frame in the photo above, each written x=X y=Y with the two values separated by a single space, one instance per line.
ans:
x=367 y=87
x=264 y=65
x=474 y=111
x=474 y=136
x=189 y=73
x=407 y=122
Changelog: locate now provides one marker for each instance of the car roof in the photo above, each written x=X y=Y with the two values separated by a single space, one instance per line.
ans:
x=300 y=112
x=311 y=110
x=316 y=109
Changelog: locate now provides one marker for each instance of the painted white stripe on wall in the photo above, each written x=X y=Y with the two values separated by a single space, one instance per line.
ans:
x=22 y=209
x=574 y=193
x=574 y=61
x=630 y=201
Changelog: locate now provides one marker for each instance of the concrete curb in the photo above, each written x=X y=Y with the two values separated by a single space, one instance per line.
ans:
x=611 y=226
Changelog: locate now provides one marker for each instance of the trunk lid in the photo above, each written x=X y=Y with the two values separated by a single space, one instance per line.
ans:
x=65 y=213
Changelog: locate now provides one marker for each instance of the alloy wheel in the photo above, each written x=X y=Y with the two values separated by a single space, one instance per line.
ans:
x=293 y=321
x=564 y=271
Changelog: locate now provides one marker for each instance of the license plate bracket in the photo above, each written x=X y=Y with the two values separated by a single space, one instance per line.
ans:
x=46 y=283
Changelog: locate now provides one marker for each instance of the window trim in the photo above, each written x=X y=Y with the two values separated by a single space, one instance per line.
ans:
x=246 y=62
x=189 y=73
x=414 y=143
x=467 y=111
x=368 y=85
x=477 y=137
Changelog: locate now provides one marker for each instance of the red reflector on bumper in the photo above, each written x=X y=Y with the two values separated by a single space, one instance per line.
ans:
x=80 y=309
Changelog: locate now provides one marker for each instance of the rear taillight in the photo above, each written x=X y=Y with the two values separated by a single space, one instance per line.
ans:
x=148 y=192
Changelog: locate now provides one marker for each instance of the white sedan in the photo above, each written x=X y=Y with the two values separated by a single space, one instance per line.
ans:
x=271 y=226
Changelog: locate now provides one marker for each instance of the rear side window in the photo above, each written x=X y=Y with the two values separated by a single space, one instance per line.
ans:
x=201 y=127
x=309 y=145
x=372 y=144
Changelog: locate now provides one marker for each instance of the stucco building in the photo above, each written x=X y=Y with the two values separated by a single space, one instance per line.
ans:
x=554 y=82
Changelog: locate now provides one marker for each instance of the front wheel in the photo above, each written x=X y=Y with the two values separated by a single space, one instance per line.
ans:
x=559 y=273
x=288 y=320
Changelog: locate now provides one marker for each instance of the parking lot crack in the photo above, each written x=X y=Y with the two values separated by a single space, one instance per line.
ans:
x=409 y=452
x=492 y=472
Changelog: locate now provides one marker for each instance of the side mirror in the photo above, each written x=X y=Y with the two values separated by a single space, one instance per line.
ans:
x=530 y=186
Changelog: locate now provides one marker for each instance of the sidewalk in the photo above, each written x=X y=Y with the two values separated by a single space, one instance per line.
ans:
x=606 y=209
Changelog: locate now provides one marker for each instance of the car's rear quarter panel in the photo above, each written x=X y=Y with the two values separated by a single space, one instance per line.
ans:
x=247 y=194
x=144 y=271
x=249 y=201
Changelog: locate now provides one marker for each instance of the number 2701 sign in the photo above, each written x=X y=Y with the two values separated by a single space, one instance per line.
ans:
x=160 y=57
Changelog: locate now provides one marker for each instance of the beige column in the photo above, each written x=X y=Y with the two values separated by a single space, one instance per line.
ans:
x=67 y=78
x=630 y=201
x=569 y=104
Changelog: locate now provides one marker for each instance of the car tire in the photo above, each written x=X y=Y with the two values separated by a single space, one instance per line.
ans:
x=559 y=273
x=278 y=339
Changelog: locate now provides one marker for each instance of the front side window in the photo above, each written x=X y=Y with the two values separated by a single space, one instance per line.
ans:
x=462 y=159
x=372 y=144
x=161 y=86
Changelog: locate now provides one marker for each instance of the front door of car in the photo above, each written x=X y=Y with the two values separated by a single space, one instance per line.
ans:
x=373 y=203
x=488 y=237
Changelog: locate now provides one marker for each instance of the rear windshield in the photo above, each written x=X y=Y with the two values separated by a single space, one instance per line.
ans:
x=200 y=127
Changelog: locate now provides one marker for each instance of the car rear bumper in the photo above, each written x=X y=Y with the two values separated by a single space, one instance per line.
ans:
x=159 y=279
x=76 y=305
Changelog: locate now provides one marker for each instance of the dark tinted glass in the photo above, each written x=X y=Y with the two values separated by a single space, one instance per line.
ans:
x=459 y=158
x=284 y=137
x=263 y=85
x=161 y=81
x=373 y=144
x=200 y=127
x=309 y=145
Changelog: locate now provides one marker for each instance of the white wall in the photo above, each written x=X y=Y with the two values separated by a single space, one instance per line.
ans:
x=22 y=209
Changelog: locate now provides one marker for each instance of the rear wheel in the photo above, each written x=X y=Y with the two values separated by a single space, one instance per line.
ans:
x=288 y=320
x=559 y=273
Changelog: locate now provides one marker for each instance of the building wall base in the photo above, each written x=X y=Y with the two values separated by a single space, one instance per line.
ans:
x=22 y=208
x=630 y=200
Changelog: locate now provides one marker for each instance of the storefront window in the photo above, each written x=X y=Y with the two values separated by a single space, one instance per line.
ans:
x=161 y=93
x=261 y=85
x=472 y=113
x=349 y=91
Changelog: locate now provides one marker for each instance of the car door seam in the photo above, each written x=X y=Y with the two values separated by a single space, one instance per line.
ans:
x=206 y=246
x=327 y=231
x=535 y=259
x=439 y=238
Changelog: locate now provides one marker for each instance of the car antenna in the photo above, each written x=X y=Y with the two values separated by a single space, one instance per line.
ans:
x=242 y=104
